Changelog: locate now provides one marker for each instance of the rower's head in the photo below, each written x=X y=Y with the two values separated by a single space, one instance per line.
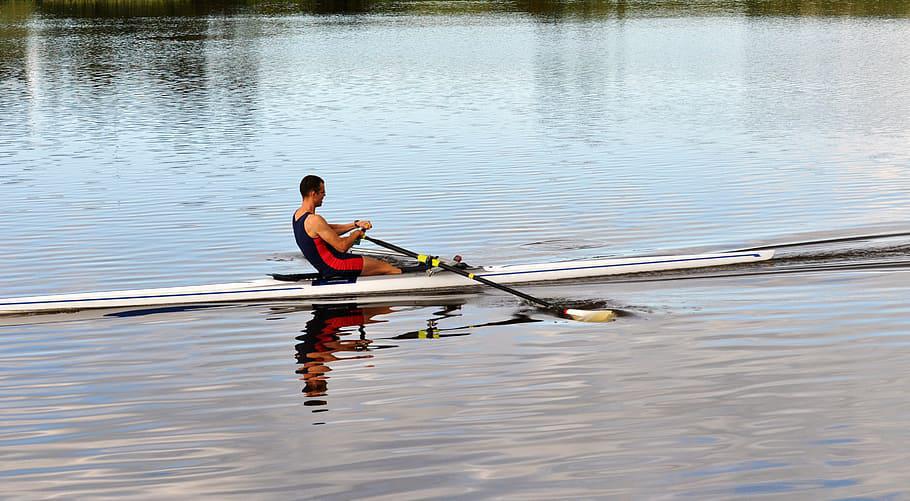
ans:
x=313 y=188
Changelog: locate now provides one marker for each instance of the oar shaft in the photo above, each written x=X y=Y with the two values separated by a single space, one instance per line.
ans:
x=464 y=273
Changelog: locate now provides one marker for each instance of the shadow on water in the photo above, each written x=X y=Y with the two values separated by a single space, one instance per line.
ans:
x=433 y=331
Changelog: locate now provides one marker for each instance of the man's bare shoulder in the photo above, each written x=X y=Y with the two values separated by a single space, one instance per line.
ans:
x=317 y=218
x=315 y=221
x=299 y=213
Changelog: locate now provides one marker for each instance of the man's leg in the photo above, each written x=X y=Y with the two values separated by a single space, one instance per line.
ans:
x=373 y=266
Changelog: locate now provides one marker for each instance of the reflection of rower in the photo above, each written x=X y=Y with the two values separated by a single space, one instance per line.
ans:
x=322 y=340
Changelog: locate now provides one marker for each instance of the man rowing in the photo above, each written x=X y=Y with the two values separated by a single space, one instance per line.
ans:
x=323 y=244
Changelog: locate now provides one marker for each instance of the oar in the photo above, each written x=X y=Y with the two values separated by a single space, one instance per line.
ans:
x=574 y=314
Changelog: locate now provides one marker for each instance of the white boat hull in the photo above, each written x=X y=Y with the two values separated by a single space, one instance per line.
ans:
x=269 y=289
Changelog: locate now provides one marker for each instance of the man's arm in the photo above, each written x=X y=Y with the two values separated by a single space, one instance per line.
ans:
x=328 y=233
x=341 y=229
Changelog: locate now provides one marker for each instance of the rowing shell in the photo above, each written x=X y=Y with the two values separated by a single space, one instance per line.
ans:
x=266 y=289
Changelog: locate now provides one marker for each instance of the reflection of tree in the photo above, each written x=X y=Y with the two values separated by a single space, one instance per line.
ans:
x=100 y=9
x=192 y=8
x=15 y=11
x=579 y=96
x=584 y=9
x=175 y=69
x=590 y=9
x=552 y=9
x=898 y=8
x=336 y=6
x=13 y=40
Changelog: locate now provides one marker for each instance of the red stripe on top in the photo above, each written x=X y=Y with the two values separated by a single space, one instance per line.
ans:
x=354 y=263
x=335 y=324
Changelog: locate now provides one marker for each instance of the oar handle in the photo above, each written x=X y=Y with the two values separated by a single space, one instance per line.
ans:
x=435 y=261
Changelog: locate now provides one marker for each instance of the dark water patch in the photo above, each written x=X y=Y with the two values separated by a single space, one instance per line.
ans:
x=160 y=310
x=546 y=10
x=828 y=8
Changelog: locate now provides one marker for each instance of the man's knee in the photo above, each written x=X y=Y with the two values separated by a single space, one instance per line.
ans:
x=373 y=266
x=389 y=269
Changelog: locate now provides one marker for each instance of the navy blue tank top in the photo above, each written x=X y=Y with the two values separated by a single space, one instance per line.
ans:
x=325 y=258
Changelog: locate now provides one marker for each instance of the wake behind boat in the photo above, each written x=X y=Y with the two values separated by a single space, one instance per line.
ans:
x=311 y=286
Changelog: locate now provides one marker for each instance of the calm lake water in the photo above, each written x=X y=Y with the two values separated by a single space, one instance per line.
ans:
x=147 y=144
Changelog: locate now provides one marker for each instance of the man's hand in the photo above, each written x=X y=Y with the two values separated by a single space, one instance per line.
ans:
x=330 y=233
x=363 y=224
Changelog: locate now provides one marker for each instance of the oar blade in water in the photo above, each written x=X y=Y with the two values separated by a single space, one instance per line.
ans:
x=590 y=315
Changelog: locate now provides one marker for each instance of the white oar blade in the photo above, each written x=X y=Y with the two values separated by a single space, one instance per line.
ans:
x=591 y=315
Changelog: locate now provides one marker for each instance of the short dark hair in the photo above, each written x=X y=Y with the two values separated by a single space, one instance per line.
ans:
x=310 y=183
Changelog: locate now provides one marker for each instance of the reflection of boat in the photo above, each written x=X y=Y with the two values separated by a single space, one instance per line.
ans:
x=311 y=286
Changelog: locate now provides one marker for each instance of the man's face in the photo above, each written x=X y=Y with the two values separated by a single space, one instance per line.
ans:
x=319 y=195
